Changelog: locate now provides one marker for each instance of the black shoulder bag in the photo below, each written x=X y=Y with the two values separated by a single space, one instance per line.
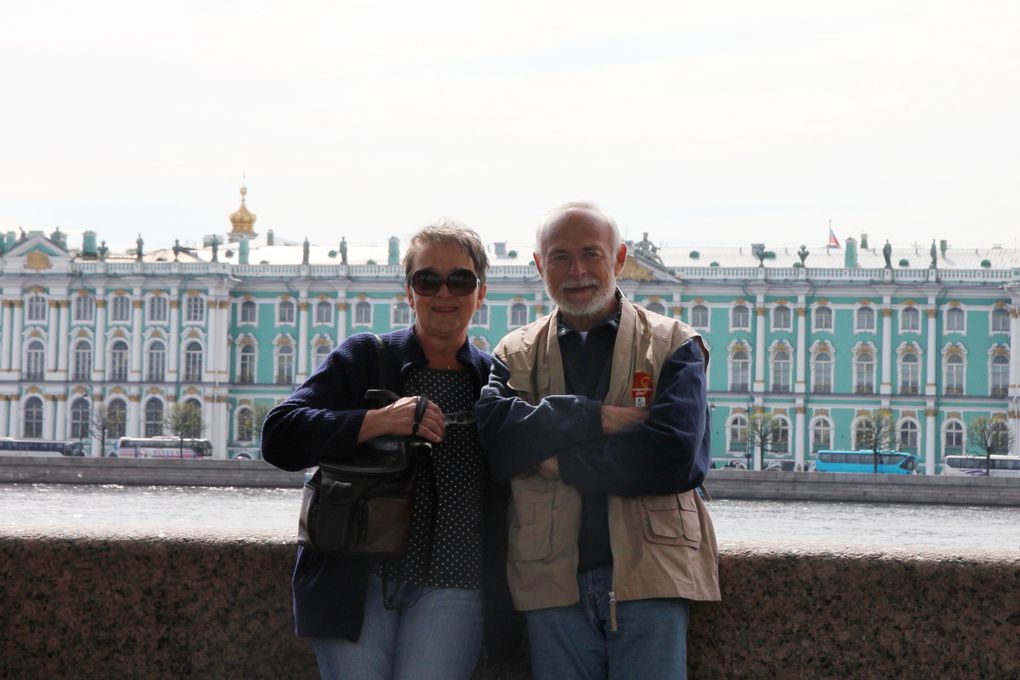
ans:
x=360 y=505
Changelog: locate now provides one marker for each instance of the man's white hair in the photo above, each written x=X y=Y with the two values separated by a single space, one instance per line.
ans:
x=586 y=206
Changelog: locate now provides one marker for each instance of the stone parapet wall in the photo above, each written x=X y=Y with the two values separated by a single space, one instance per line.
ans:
x=218 y=606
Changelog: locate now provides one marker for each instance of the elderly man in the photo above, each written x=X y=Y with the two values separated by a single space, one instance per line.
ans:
x=598 y=414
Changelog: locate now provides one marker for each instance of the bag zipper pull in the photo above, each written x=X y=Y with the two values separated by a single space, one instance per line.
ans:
x=612 y=610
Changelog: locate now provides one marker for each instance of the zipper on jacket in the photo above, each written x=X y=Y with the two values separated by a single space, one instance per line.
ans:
x=612 y=610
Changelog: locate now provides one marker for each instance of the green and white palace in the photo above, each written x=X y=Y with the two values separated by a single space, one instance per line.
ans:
x=818 y=337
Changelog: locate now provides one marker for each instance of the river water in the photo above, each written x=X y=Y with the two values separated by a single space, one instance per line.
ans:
x=179 y=509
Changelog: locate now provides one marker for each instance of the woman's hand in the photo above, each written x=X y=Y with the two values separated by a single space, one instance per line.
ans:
x=398 y=419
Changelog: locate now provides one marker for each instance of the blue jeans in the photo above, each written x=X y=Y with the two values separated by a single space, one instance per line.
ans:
x=429 y=633
x=578 y=642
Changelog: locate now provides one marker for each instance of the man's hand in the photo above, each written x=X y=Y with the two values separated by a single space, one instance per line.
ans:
x=550 y=468
x=615 y=418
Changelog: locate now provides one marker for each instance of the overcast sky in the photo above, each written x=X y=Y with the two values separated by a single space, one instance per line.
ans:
x=702 y=123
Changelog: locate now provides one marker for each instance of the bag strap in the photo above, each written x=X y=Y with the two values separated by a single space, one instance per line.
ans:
x=383 y=385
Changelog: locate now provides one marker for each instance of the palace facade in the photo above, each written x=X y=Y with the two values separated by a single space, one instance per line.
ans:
x=817 y=338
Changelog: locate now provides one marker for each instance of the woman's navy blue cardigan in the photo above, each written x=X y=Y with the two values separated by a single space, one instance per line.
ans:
x=322 y=418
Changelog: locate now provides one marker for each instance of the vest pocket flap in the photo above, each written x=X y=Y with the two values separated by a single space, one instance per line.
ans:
x=671 y=519
x=531 y=526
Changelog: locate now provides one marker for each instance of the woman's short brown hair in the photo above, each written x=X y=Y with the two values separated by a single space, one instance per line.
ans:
x=447 y=231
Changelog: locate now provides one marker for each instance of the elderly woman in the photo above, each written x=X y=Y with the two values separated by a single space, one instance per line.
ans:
x=419 y=616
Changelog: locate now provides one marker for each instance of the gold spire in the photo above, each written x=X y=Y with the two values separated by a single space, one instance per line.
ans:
x=243 y=220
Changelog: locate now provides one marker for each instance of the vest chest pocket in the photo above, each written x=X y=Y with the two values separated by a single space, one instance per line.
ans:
x=671 y=519
x=531 y=525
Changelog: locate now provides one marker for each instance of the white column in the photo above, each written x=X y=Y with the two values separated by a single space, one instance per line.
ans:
x=54 y=330
x=49 y=417
x=219 y=442
x=173 y=346
x=933 y=350
x=1014 y=376
x=99 y=363
x=95 y=449
x=16 y=308
x=5 y=342
x=929 y=438
x=60 y=422
x=132 y=426
x=760 y=349
x=137 y=312
x=12 y=417
x=63 y=338
x=886 y=349
x=341 y=319
x=800 y=435
x=222 y=333
x=5 y=405
x=801 y=358
x=302 y=347
x=211 y=342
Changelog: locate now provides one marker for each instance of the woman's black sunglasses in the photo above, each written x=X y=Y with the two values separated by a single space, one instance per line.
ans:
x=458 y=282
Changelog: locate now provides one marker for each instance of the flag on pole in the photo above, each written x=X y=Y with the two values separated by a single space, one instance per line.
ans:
x=833 y=241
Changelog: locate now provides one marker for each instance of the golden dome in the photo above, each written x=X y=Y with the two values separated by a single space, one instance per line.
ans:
x=243 y=220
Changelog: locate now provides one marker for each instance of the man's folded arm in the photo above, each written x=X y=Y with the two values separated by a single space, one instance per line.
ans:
x=516 y=435
x=667 y=453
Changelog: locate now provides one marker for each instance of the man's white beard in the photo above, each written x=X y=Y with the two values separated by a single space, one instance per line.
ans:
x=593 y=307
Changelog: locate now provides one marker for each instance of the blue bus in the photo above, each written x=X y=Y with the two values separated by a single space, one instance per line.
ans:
x=889 y=462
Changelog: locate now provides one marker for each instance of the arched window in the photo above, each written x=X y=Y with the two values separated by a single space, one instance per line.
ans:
x=80 y=416
x=194 y=309
x=738 y=433
x=782 y=319
x=865 y=319
x=35 y=310
x=518 y=314
x=999 y=379
x=1000 y=320
x=84 y=308
x=908 y=436
x=401 y=314
x=781 y=371
x=740 y=372
x=910 y=373
x=153 y=417
x=955 y=321
x=156 y=360
x=999 y=435
x=285 y=312
x=910 y=320
x=740 y=318
x=120 y=309
x=699 y=316
x=823 y=318
x=245 y=425
x=118 y=361
x=863 y=434
x=246 y=365
x=821 y=373
x=864 y=372
x=285 y=365
x=249 y=312
x=35 y=361
x=33 y=420
x=82 y=369
x=656 y=307
x=157 y=308
x=195 y=431
x=116 y=419
x=321 y=352
x=362 y=313
x=481 y=316
x=821 y=434
x=193 y=361
x=955 y=370
x=781 y=435
x=954 y=437
x=323 y=312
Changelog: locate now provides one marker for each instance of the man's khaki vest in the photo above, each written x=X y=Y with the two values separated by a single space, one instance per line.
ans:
x=663 y=546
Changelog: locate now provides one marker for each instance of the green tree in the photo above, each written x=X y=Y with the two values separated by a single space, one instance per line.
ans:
x=877 y=434
x=762 y=431
x=184 y=421
x=990 y=435
x=104 y=424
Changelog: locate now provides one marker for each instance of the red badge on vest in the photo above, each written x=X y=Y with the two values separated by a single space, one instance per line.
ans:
x=641 y=389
